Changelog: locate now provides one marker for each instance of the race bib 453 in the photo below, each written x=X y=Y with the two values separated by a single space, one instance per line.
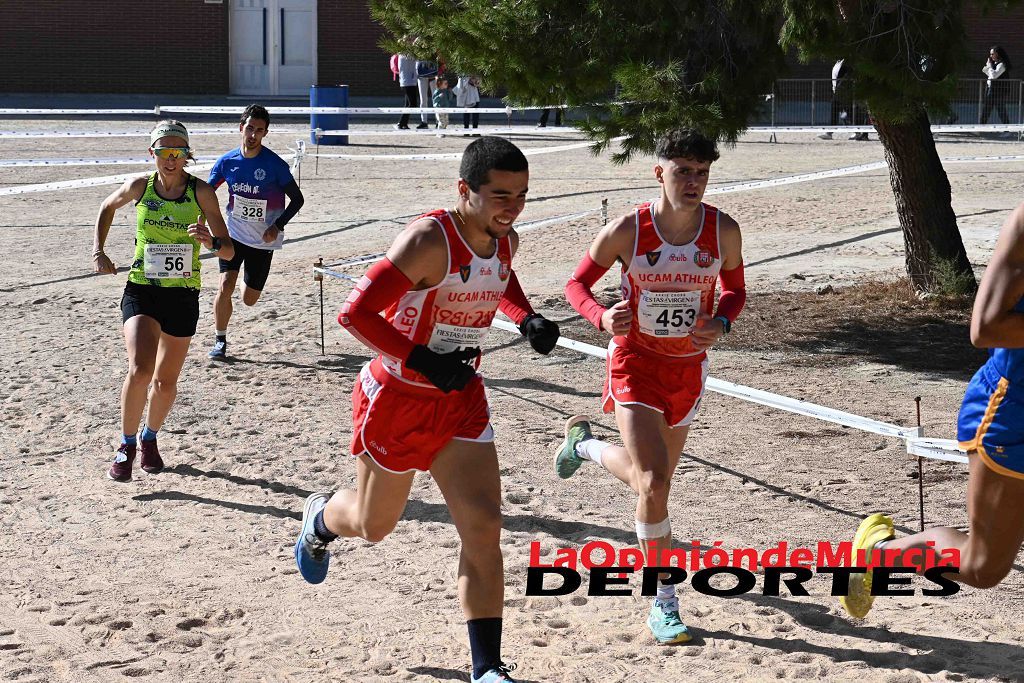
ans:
x=668 y=314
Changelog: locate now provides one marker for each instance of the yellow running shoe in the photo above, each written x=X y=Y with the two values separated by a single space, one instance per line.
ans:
x=873 y=530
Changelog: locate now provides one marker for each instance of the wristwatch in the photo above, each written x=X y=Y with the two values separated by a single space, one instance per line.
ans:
x=726 y=325
x=215 y=244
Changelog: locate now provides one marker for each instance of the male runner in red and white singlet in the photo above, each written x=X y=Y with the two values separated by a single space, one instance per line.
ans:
x=673 y=252
x=420 y=404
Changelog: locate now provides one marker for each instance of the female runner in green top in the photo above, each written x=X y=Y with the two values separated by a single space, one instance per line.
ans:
x=160 y=305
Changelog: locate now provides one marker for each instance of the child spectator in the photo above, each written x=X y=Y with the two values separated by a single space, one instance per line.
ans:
x=444 y=98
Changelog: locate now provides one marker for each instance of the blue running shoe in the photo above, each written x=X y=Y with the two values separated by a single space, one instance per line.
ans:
x=219 y=350
x=496 y=674
x=665 y=623
x=577 y=429
x=311 y=554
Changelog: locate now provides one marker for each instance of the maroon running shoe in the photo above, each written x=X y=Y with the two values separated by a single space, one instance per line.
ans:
x=151 y=460
x=121 y=470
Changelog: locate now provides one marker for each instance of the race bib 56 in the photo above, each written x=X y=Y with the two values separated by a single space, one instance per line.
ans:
x=168 y=261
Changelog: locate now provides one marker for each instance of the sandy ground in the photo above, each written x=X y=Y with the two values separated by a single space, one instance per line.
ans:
x=189 y=576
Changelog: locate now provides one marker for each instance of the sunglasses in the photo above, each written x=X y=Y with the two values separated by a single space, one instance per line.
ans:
x=171 y=152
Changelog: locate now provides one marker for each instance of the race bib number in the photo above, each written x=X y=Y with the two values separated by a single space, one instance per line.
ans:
x=668 y=314
x=448 y=338
x=168 y=261
x=251 y=210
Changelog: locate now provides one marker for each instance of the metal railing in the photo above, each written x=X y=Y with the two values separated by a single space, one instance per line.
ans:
x=813 y=102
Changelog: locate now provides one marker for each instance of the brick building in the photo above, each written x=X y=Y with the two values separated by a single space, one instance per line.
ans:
x=258 y=47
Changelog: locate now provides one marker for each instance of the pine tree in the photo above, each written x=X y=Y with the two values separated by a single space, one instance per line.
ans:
x=639 y=68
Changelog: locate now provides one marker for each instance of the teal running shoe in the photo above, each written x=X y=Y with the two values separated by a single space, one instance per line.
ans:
x=577 y=429
x=665 y=623
x=496 y=674
x=311 y=553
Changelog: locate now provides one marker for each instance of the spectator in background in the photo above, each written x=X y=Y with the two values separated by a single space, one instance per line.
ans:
x=407 y=81
x=845 y=111
x=443 y=98
x=426 y=72
x=467 y=94
x=544 y=117
x=998 y=90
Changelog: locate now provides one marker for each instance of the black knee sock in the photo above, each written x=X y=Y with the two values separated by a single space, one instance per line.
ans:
x=484 y=644
x=321 y=530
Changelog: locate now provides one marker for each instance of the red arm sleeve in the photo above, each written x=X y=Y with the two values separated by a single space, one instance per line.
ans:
x=734 y=293
x=578 y=290
x=383 y=285
x=513 y=302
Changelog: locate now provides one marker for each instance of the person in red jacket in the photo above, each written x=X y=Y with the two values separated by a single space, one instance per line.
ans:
x=673 y=252
x=420 y=404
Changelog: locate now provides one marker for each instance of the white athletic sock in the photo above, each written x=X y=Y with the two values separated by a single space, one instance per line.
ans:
x=666 y=593
x=222 y=333
x=591 y=449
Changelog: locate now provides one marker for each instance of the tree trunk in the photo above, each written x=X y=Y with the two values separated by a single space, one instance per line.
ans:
x=931 y=237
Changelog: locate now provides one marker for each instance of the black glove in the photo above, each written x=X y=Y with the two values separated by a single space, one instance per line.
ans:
x=542 y=333
x=446 y=371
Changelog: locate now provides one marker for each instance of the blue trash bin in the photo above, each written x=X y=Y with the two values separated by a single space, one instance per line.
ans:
x=328 y=96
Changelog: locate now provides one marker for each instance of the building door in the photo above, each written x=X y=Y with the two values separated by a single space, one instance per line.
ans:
x=273 y=47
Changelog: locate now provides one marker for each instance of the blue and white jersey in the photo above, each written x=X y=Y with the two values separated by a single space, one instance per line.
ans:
x=256 y=194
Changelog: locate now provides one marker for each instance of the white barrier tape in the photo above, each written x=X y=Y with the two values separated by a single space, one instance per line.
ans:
x=766 y=398
x=937 y=449
x=801 y=178
x=82 y=182
x=544 y=222
x=357 y=261
x=333 y=273
x=848 y=170
x=110 y=134
x=971 y=160
x=386 y=157
x=531 y=151
x=83 y=162
x=938 y=128
x=78 y=112
x=451 y=131
x=336 y=110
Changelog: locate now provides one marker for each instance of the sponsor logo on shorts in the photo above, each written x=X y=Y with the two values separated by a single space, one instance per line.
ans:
x=652 y=257
x=703 y=258
x=377 y=447
x=259 y=174
x=623 y=390
x=464 y=272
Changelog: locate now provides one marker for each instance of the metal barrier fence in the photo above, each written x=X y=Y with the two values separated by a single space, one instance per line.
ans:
x=814 y=102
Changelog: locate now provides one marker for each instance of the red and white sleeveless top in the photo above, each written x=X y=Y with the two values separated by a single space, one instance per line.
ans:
x=669 y=286
x=456 y=312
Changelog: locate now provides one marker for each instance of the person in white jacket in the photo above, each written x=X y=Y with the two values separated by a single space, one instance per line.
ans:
x=407 y=81
x=467 y=94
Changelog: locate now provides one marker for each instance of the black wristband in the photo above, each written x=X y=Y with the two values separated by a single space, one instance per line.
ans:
x=215 y=244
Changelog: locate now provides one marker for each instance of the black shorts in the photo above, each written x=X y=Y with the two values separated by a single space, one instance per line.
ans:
x=257 y=264
x=175 y=308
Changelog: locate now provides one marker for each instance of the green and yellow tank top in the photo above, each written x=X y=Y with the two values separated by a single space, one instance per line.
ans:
x=165 y=254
